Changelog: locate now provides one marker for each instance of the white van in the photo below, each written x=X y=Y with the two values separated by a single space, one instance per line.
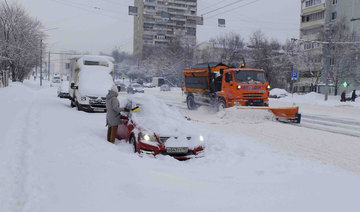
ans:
x=91 y=78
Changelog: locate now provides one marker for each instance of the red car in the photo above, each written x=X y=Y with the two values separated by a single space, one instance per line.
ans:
x=159 y=129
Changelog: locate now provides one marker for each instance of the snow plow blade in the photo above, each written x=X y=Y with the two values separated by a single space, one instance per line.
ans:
x=287 y=114
x=282 y=114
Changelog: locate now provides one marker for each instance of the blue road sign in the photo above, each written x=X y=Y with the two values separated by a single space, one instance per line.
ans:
x=294 y=75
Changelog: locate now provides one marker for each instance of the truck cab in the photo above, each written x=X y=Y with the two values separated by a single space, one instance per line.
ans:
x=244 y=87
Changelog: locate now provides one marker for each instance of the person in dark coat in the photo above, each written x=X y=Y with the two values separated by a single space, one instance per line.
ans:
x=353 y=96
x=343 y=97
x=113 y=116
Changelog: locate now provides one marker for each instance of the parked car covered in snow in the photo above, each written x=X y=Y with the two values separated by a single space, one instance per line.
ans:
x=56 y=80
x=165 y=87
x=148 y=85
x=91 y=78
x=135 y=88
x=159 y=129
x=63 y=90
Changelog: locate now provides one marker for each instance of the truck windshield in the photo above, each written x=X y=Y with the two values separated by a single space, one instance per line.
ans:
x=250 y=76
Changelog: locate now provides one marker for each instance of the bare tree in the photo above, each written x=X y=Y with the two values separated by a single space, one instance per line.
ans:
x=264 y=54
x=168 y=60
x=20 y=38
x=230 y=48
x=344 y=54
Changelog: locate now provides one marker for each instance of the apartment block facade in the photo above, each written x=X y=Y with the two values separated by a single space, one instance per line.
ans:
x=159 y=21
x=316 y=16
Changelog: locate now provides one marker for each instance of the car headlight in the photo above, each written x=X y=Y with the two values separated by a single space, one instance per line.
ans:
x=201 y=138
x=83 y=98
x=149 y=137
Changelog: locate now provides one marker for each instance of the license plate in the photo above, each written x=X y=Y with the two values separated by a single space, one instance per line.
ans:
x=177 y=150
x=98 y=109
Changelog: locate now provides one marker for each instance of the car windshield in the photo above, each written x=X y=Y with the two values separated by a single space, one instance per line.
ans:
x=136 y=86
x=250 y=76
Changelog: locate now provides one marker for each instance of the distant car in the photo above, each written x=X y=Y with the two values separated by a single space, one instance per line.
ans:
x=158 y=129
x=135 y=88
x=56 y=81
x=148 y=85
x=165 y=87
x=63 y=90
x=121 y=86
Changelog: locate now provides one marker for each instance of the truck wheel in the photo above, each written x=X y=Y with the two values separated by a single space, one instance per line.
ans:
x=221 y=105
x=190 y=102
x=133 y=142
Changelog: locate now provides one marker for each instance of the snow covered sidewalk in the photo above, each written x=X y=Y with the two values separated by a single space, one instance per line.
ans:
x=55 y=158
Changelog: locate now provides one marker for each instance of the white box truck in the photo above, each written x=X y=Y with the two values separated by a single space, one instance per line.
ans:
x=91 y=78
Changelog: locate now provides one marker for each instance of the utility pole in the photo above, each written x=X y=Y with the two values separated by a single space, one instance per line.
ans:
x=41 y=62
x=49 y=66
x=328 y=59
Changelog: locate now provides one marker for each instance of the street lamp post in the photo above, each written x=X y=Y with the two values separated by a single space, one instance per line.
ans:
x=41 y=43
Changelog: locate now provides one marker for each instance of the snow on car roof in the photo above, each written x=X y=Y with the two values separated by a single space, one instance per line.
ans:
x=158 y=117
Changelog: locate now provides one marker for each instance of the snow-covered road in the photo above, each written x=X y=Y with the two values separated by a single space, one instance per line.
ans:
x=55 y=158
x=329 y=132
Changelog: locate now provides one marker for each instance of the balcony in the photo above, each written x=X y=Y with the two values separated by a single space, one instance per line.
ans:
x=313 y=9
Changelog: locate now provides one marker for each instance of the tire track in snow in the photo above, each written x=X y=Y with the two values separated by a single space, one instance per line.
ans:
x=22 y=132
x=329 y=124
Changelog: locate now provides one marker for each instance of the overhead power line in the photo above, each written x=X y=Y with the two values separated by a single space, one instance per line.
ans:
x=244 y=5
x=227 y=5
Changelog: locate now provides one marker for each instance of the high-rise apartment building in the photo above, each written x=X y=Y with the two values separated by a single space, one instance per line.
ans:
x=159 y=21
x=316 y=17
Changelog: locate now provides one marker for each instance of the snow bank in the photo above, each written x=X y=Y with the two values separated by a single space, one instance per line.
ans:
x=316 y=98
x=95 y=81
x=244 y=115
x=278 y=93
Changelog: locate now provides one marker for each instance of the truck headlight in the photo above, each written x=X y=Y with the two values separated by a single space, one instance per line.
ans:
x=239 y=86
x=268 y=87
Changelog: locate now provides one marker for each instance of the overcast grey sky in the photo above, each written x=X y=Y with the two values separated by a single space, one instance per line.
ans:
x=100 y=25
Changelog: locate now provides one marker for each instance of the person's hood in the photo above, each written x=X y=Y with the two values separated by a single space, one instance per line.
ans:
x=112 y=94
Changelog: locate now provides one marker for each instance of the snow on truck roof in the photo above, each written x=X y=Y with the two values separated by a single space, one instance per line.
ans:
x=206 y=65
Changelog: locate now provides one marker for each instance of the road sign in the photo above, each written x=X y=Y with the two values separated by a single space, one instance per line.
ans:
x=294 y=75
x=345 y=84
x=164 y=77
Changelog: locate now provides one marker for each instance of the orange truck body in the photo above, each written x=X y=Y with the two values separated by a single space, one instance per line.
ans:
x=222 y=86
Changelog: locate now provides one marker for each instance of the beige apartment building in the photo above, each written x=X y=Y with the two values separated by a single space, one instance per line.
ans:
x=159 y=21
x=316 y=16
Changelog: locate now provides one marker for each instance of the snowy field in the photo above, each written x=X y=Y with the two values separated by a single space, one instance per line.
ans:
x=55 y=158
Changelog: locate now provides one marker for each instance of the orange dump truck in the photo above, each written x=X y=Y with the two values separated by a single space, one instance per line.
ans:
x=220 y=86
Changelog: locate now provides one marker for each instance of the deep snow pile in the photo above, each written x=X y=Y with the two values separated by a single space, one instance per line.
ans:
x=55 y=158
x=244 y=115
x=316 y=98
x=278 y=93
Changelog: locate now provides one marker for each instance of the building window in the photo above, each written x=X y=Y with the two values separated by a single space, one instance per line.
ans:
x=313 y=17
x=334 y=1
x=310 y=3
x=333 y=15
